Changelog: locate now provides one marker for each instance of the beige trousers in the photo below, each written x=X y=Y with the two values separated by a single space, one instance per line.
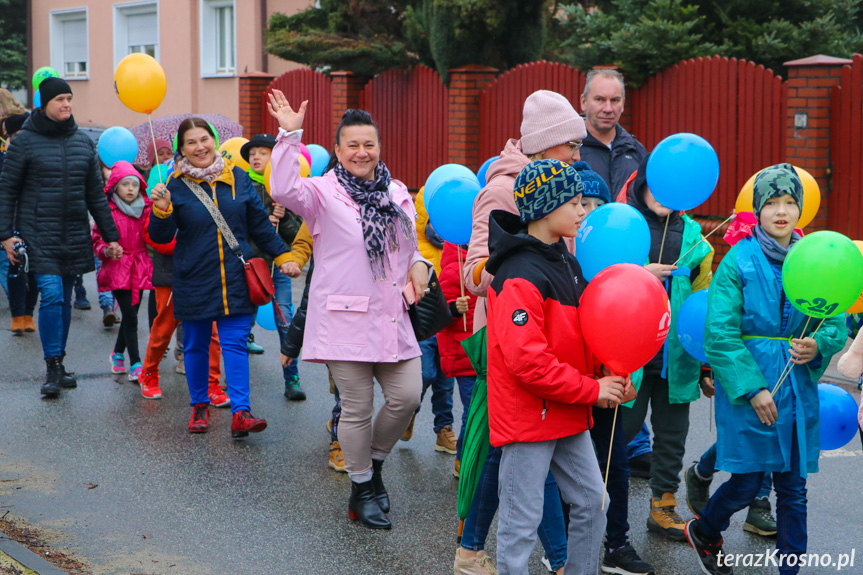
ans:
x=359 y=437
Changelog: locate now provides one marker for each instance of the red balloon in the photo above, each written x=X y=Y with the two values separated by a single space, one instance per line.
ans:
x=625 y=317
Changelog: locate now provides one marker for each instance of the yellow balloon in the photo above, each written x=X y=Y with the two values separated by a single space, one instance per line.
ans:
x=140 y=82
x=858 y=305
x=230 y=150
x=305 y=171
x=305 y=168
x=267 y=171
x=811 y=196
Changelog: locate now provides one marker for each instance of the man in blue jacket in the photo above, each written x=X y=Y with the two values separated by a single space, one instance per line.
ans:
x=611 y=151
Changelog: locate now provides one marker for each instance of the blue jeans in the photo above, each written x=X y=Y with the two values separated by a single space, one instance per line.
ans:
x=285 y=299
x=641 y=444
x=233 y=334
x=440 y=384
x=739 y=491
x=551 y=529
x=106 y=298
x=707 y=466
x=617 y=511
x=55 y=312
x=4 y=271
x=336 y=414
x=465 y=391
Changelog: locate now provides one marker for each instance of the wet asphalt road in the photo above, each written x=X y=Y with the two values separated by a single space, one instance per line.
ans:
x=167 y=502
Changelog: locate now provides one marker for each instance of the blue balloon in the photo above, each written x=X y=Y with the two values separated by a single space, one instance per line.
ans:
x=682 y=171
x=37 y=99
x=480 y=175
x=690 y=324
x=838 y=416
x=265 y=317
x=320 y=159
x=159 y=173
x=116 y=144
x=442 y=174
x=451 y=209
x=611 y=234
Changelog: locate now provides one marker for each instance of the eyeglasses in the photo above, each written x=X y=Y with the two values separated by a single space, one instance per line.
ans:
x=575 y=146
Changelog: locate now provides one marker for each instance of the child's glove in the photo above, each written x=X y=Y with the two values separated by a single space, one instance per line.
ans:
x=851 y=364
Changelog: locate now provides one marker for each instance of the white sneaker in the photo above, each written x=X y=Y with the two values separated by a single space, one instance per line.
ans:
x=546 y=563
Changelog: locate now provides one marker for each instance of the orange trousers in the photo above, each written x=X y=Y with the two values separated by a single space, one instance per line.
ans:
x=163 y=329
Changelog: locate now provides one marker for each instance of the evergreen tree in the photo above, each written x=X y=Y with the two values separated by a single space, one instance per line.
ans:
x=13 y=44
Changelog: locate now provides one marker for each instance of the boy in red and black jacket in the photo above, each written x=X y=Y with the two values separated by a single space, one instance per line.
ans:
x=542 y=378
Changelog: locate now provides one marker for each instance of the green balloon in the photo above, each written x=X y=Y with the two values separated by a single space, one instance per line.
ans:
x=42 y=73
x=823 y=274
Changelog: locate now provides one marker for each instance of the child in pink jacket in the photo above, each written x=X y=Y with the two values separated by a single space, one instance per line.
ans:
x=130 y=274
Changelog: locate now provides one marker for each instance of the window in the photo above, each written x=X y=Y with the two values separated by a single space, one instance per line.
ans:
x=218 y=38
x=136 y=29
x=70 y=43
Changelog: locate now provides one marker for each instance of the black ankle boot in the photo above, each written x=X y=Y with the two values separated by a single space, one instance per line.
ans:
x=51 y=387
x=381 y=495
x=362 y=506
x=67 y=378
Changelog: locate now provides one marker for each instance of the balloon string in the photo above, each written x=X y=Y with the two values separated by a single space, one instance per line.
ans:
x=461 y=281
x=608 y=463
x=785 y=373
x=155 y=150
x=662 y=245
x=704 y=238
x=787 y=369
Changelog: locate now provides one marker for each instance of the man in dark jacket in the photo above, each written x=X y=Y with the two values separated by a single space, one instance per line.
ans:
x=49 y=182
x=611 y=151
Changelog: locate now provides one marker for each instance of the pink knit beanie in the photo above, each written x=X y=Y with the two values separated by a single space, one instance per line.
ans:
x=549 y=120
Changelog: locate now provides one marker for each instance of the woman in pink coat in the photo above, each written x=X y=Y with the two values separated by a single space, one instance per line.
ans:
x=127 y=273
x=367 y=267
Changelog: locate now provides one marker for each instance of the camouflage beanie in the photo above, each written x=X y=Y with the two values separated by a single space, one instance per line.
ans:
x=774 y=182
x=543 y=186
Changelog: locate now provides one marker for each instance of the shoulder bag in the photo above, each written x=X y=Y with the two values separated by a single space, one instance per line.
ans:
x=258 y=278
x=431 y=314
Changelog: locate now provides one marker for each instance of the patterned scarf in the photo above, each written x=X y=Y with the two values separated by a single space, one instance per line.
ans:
x=208 y=174
x=379 y=215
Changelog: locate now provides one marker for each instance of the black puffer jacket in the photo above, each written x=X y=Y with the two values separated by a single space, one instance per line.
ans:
x=293 y=343
x=49 y=182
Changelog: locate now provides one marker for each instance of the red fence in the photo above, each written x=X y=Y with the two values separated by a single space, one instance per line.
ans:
x=735 y=105
x=846 y=149
x=299 y=85
x=410 y=108
x=501 y=104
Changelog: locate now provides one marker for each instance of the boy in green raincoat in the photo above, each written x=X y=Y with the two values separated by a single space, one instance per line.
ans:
x=750 y=323
x=673 y=379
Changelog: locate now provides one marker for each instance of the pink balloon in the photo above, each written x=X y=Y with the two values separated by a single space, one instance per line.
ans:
x=304 y=151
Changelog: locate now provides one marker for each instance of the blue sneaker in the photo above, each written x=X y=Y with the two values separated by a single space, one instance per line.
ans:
x=82 y=304
x=252 y=347
x=135 y=372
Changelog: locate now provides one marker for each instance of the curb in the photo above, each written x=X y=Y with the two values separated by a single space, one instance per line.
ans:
x=26 y=557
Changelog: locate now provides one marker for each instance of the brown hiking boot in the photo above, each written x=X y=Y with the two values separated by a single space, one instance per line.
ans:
x=446 y=440
x=409 y=432
x=664 y=519
x=18 y=325
x=337 y=458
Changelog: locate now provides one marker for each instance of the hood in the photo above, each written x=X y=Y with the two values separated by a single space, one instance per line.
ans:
x=510 y=162
x=40 y=123
x=635 y=197
x=123 y=170
x=508 y=235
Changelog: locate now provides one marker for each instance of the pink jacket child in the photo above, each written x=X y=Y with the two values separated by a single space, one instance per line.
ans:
x=134 y=270
x=350 y=316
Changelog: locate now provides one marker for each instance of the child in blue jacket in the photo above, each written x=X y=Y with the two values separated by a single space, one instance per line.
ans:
x=750 y=323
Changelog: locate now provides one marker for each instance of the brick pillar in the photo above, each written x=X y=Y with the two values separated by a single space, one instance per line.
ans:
x=809 y=83
x=252 y=86
x=465 y=86
x=347 y=92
